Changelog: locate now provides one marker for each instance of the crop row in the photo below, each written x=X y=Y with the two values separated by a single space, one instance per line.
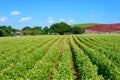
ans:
x=63 y=70
x=20 y=63
x=73 y=57
x=105 y=65
x=42 y=68
x=84 y=66
x=110 y=51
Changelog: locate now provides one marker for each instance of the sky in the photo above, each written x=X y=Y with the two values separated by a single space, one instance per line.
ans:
x=21 y=13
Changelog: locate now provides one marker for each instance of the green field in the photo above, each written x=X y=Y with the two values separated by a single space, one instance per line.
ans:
x=84 y=25
x=55 y=57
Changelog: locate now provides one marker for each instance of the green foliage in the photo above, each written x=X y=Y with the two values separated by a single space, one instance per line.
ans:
x=77 y=30
x=5 y=30
x=3 y=33
x=57 y=28
x=46 y=30
x=27 y=30
x=105 y=65
x=60 y=28
x=36 y=30
x=60 y=72
x=32 y=52
x=84 y=66
x=95 y=57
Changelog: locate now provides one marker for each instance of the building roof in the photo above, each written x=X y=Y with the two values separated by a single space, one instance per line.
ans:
x=104 y=27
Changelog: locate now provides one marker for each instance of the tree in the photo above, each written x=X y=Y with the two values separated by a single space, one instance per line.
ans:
x=36 y=30
x=46 y=30
x=5 y=30
x=60 y=28
x=27 y=30
x=9 y=29
x=77 y=30
x=1 y=33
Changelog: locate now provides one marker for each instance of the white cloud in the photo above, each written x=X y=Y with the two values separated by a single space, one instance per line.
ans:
x=61 y=19
x=50 y=20
x=3 y=19
x=96 y=15
x=25 y=19
x=49 y=17
x=71 y=20
x=15 y=13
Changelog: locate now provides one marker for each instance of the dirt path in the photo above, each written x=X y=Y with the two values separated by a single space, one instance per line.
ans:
x=51 y=45
x=73 y=70
x=57 y=58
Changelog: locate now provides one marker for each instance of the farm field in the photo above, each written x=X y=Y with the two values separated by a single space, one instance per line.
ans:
x=55 y=57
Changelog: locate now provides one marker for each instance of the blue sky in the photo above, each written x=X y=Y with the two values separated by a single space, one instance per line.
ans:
x=20 y=13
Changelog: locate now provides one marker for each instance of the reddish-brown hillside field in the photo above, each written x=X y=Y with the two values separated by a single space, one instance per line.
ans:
x=104 y=27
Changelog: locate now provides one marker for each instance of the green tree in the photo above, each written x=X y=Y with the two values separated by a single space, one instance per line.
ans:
x=36 y=30
x=77 y=30
x=46 y=30
x=60 y=28
x=5 y=30
x=27 y=30
x=9 y=29
x=1 y=33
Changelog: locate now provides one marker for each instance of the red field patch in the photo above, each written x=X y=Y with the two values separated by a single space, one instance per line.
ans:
x=104 y=27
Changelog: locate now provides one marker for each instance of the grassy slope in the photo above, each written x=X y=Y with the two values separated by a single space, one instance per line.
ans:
x=84 y=25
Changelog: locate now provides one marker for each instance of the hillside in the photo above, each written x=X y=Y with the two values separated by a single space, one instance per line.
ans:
x=104 y=27
x=84 y=25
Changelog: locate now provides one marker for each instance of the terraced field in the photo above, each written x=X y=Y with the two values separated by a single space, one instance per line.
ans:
x=68 y=57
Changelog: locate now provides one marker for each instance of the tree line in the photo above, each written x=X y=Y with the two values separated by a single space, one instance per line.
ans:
x=57 y=28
